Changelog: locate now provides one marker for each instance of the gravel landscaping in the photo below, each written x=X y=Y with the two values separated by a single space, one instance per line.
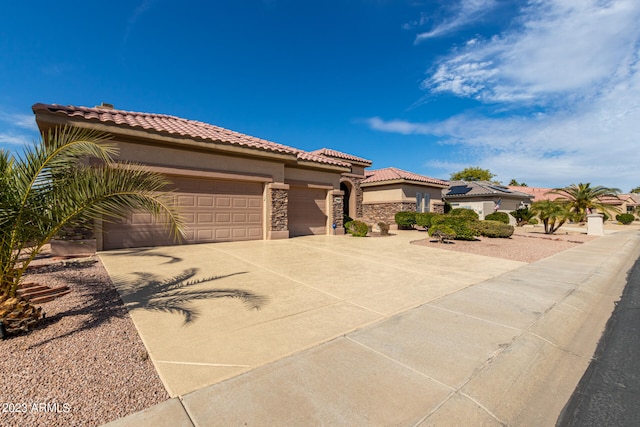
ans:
x=86 y=365
x=526 y=244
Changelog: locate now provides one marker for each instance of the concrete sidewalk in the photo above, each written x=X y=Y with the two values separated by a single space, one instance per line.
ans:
x=506 y=348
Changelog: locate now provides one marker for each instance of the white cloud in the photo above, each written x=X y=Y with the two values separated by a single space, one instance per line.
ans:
x=11 y=139
x=463 y=13
x=578 y=64
x=24 y=121
x=559 y=47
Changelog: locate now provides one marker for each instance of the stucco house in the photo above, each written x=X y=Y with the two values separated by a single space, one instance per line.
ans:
x=484 y=197
x=391 y=190
x=229 y=186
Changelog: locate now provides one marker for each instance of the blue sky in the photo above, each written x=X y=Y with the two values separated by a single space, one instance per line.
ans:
x=545 y=92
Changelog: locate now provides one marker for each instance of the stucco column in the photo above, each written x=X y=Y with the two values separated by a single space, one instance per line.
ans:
x=595 y=225
x=277 y=204
x=337 y=202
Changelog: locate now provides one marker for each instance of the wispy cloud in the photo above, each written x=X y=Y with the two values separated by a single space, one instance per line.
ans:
x=461 y=14
x=24 y=121
x=576 y=64
x=144 y=6
x=9 y=139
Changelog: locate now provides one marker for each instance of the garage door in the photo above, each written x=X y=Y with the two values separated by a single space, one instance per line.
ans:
x=212 y=210
x=307 y=211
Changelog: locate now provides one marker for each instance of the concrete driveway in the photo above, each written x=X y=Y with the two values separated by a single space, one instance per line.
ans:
x=475 y=341
x=210 y=312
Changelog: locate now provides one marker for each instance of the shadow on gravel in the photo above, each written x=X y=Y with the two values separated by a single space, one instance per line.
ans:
x=171 y=296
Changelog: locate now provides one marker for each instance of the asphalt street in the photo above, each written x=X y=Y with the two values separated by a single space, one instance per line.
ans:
x=609 y=392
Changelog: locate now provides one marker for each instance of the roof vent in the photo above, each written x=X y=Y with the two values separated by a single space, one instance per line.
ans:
x=105 y=105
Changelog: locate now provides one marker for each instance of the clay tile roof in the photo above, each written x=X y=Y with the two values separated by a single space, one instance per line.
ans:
x=163 y=123
x=395 y=174
x=313 y=157
x=538 y=193
x=339 y=155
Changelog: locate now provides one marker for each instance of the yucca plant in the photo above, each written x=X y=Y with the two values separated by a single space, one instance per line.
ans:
x=68 y=178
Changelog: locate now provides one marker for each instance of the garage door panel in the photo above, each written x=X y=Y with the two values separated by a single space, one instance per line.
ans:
x=307 y=211
x=223 y=202
x=211 y=211
x=205 y=201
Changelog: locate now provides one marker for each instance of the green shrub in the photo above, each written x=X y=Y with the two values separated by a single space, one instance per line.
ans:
x=405 y=220
x=465 y=228
x=442 y=232
x=465 y=213
x=625 y=218
x=384 y=228
x=424 y=219
x=533 y=221
x=605 y=217
x=523 y=216
x=498 y=216
x=490 y=228
x=447 y=207
x=357 y=228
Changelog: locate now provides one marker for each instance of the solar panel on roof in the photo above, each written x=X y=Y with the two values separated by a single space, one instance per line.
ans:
x=458 y=190
x=498 y=188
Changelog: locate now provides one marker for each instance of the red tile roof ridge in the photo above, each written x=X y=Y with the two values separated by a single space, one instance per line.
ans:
x=184 y=127
x=393 y=173
x=334 y=153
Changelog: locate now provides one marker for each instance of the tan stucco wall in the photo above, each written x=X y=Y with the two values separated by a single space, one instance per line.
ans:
x=298 y=175
x=399 y=193
x=181 y=158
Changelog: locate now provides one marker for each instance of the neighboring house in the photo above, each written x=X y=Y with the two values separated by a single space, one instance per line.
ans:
x=229 y=186
x=484 y=197
x=537 y=192
x=391 y=190
x=624 y=203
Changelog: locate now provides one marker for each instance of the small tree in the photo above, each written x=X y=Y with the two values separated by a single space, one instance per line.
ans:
x=518 y=184
x=474 y=173
x=636 y=190
x=580 y=198
x=553 y=214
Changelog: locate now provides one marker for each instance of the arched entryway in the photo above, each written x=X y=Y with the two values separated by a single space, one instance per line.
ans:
x=349 y=203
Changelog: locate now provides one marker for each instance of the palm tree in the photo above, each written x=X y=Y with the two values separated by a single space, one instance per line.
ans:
x=582 y=197
x=53 y=186
x=552 y=213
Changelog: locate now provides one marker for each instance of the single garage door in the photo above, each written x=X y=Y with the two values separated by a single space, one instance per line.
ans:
x=212 y=210
x=307 y=211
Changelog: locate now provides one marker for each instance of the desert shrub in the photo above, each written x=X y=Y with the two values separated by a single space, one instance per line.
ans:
x=464 y=213
x=465 y=228
x=625 y=218
x=605 y=217
x=498 y=216
x=447 y=207
x=384 y=228
x=523 y=216
x=405 y=220
x=533 y=221
x=357 y=228
x=424 y=219
x=442 y=232
x=490 y=228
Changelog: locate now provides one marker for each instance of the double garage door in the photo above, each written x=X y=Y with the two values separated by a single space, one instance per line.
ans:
x=212 y=210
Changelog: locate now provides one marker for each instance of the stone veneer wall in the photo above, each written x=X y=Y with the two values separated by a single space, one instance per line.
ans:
x=279 y=204
x=358 y=193
x=376 y=212
x=437 y=207
x=338 y=211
